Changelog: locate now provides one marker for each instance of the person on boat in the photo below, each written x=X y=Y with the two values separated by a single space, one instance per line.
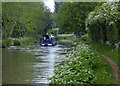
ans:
x=46 y=36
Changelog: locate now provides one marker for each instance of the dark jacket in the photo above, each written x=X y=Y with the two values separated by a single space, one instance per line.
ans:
x=47 y=36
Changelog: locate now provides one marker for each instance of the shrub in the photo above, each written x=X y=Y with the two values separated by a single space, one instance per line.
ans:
x=78 y=67
x=38 y=37
x=16 y=42
x=27 y=41
x=6 y=42
x=53 y=31
x=84 y=37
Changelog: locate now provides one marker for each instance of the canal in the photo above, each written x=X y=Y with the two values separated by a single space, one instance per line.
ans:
x=30 y=64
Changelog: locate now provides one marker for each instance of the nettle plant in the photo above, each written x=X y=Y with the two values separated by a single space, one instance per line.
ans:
x=78 y=67
x=103 y=23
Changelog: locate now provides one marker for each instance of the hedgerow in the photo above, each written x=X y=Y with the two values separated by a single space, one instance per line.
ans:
x=103 y=23
x=78 y=67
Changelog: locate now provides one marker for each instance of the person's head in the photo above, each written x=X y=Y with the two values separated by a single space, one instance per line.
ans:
x=46 y=33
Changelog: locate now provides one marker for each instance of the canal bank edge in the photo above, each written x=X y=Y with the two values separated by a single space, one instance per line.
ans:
x=115 y=68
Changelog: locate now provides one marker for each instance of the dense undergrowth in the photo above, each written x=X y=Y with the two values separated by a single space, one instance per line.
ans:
x=78 y=67
x=83 y=66
x=16 y=42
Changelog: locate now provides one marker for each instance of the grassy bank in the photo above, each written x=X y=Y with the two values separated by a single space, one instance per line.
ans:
x=65 y=39
x=78 y=67
x=109 y=51
x=17 y=42
x=104 y=73
x=83 y=66
x=64 y=36
x=106 y=50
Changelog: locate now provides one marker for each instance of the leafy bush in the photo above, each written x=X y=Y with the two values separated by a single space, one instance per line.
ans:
x=27 y=41
x=78 y=67
x=6 y=42
x=16 y=42
x=53 y=31
x=103 y=23
x=38 y=37
x=84 y=37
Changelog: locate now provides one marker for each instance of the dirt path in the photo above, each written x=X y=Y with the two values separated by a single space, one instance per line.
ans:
x=115 y=68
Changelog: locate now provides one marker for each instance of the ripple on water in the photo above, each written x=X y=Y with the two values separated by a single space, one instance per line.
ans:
x=36 y=67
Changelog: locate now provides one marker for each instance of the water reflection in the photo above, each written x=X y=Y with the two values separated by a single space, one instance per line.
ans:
x=30 y=64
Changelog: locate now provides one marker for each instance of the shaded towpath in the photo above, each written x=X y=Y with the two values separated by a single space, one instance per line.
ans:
x=115 y=68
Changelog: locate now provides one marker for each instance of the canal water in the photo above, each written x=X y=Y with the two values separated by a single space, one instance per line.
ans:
x=30 y=64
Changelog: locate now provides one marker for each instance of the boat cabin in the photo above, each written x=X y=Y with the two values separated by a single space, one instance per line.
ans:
x=49 y=42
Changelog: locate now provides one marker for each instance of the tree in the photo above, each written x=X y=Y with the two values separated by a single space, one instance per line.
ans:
x=71 y=16
x=103 y=23
x=57 y=6
x=25 y=19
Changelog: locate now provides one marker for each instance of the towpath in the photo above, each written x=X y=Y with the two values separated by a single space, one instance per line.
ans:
x=115 y=68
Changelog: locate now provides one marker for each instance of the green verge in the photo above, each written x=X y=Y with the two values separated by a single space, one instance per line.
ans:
x=64 y=36
x=104 y=70
x=104 y=73
x=78 y=67
x=110 y=52
x=28 y=41
x=17 y=42
x=83 y=66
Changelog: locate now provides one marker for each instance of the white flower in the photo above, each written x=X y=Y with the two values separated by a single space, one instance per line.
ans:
x=111 y=22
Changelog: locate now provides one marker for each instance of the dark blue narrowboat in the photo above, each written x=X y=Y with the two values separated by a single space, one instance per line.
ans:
x=49 y=42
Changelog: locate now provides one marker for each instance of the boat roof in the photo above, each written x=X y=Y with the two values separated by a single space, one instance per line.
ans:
x=52 y=36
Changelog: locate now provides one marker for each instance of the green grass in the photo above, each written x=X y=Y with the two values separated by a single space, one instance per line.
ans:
x=103 y=70
x=110 y=52
x=27 y=41
x=104 y=73
x=84 y=58
x=66 y=41
x=64 y=36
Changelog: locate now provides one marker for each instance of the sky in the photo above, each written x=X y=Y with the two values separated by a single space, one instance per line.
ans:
x=49 y=4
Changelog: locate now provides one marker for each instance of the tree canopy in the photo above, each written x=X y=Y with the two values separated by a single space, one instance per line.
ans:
x=71 y=16
x=25 y=19
x=103 y=23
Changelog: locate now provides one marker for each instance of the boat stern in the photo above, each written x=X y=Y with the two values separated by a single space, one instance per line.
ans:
x=46 y=45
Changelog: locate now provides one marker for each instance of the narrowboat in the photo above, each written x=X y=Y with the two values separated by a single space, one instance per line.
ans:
x=49 y=42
